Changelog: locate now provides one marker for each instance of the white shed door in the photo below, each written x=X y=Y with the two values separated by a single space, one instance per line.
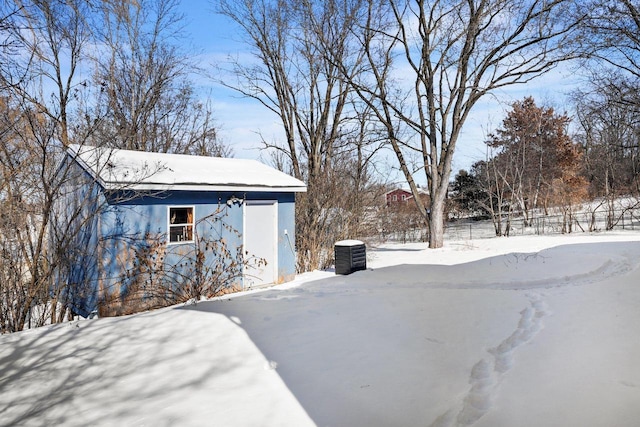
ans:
x=260 y=240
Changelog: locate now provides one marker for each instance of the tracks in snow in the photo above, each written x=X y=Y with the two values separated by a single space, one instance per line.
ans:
x=487 y=374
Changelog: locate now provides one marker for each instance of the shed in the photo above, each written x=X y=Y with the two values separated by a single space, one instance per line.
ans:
x=158 y=223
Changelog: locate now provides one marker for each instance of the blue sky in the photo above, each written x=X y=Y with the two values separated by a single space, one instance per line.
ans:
x=210 y=31
x=215 y=37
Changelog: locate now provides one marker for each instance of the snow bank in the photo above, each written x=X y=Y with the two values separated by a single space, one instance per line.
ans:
x=525 y=331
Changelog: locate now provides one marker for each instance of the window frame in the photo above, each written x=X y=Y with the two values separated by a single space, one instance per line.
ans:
x=186 y=224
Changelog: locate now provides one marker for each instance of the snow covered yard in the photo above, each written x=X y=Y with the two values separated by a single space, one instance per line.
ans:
x=521 y=331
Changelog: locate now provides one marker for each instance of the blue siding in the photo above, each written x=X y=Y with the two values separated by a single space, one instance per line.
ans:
x=126 y=223
x=76 y=228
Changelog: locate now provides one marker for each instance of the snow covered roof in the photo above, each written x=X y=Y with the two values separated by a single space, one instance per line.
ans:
x=137 y=170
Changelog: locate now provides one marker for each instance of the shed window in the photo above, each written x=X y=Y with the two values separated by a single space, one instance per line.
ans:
x=180 y=224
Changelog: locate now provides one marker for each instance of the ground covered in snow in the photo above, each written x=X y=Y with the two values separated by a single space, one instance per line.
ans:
x=525 y=331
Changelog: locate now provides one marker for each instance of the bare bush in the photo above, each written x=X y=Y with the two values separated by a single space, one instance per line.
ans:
x=150 y=274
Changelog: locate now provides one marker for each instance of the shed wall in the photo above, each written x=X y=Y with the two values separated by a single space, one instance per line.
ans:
x=129 y=228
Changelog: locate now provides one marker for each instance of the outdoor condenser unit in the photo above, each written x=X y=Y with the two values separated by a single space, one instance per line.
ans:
x=350 y=256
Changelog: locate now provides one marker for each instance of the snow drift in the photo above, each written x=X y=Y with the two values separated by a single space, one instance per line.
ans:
x=504 y=332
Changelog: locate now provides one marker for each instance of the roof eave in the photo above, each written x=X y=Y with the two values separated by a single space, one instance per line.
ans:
x=119 y=186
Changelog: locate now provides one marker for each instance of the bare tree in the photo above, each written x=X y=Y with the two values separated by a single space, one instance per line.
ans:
x=293 y=76
x=143 y=73
x=8 y=45
x=608 y=106
x=34 y=250
x=608 y=128
x=41 y=90
x=611 y=35
x=498 y=200
x=430 y=62
x=50 y=38
x=609 y=131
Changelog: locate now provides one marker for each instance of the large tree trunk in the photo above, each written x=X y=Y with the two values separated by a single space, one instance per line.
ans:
x=436 y=223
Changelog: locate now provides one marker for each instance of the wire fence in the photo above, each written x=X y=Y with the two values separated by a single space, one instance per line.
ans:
x=621 y=219
x=539 y=224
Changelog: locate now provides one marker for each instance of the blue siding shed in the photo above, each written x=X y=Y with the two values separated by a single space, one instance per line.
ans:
x=166 y=225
